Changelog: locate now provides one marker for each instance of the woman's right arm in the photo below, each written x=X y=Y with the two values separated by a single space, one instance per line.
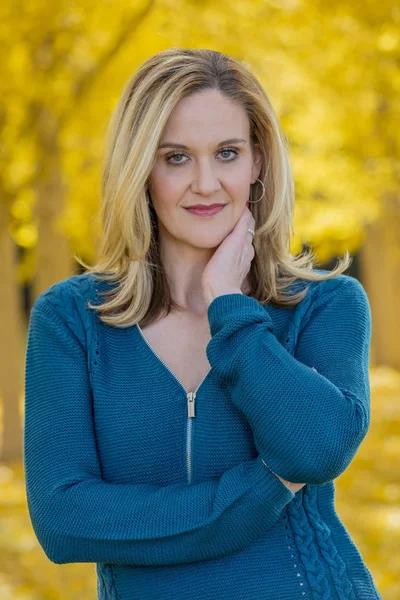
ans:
x=79 y=517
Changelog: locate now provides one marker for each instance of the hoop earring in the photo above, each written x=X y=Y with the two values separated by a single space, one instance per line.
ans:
x=262 y=196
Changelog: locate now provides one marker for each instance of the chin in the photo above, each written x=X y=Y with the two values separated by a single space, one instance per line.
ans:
x=209 y=246
x=202 y=244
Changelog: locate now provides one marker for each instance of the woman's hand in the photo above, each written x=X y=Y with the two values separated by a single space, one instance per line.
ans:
x=293 y=487
x=227 y=269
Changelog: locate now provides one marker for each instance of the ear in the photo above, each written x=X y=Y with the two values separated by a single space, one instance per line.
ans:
x=257 y=162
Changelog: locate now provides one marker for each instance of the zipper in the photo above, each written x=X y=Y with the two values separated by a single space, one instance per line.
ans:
x=191 y=406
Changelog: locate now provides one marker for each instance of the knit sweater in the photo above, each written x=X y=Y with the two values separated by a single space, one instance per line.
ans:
x=172 y=492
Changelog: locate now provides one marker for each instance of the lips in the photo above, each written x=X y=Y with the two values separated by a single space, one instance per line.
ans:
x=206 y=211
x=205 y=206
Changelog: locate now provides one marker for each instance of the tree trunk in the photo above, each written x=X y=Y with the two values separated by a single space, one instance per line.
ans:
x=380 y=267
x=54 y=260
x=12 y=346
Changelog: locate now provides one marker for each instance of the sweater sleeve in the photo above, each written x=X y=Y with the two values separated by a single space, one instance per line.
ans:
x=310 y=411
x=79 y=517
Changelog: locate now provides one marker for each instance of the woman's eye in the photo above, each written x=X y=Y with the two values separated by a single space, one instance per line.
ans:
x=174 y=156
x=230 y=150
x=180 y=162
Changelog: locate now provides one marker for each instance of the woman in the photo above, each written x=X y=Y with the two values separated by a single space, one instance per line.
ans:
x=186 y=415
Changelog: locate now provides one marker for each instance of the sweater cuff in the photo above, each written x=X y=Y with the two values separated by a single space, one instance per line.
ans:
x=270 y=485
x=236 y=305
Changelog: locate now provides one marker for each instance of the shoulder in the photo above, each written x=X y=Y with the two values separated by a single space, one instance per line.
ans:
x=66 y=302
x=341 y=300
x=67 y=294
x=342 y=297
x=342 y=287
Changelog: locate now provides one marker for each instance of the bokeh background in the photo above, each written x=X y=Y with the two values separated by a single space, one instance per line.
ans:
x=333 y=74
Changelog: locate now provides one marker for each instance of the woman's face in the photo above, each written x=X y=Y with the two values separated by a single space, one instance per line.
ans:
x=193 y=167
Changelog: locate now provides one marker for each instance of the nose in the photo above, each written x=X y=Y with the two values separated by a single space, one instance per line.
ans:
x=206 y=182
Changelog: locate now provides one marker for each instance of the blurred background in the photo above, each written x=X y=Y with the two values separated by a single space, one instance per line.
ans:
x=332 y=73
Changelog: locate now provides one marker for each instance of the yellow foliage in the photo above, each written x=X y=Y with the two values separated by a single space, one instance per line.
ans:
x=332 y=72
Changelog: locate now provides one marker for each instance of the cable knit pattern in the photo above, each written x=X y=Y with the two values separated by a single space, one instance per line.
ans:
x=328 y=549
x=171 y=504
x=107 y=587
x=304 y=541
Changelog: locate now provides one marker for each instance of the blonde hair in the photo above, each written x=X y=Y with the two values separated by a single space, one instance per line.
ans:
x=129 y=252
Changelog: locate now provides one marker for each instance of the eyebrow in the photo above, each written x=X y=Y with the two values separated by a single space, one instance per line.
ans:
x=230 y=141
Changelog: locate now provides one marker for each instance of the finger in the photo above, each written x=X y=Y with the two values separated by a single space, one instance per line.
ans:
x=248 y=222
x=247 y=212
x=247 y=216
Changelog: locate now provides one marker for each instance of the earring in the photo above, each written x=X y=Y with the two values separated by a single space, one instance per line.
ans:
x=262 y=196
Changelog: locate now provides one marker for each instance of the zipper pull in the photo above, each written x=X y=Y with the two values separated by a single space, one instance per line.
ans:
x=191 y=396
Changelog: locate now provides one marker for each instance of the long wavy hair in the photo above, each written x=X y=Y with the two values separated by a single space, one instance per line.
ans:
x=128 y=254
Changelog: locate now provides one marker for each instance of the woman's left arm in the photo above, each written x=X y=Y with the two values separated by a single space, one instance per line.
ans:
x=307 y=424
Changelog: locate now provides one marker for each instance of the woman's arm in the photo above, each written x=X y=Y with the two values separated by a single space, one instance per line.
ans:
x=307 y=423
x=79 y=517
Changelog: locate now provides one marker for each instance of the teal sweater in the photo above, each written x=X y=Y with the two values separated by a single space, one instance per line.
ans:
x=166 y=489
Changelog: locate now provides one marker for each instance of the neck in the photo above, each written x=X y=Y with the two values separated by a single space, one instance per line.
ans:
x=184 y=267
